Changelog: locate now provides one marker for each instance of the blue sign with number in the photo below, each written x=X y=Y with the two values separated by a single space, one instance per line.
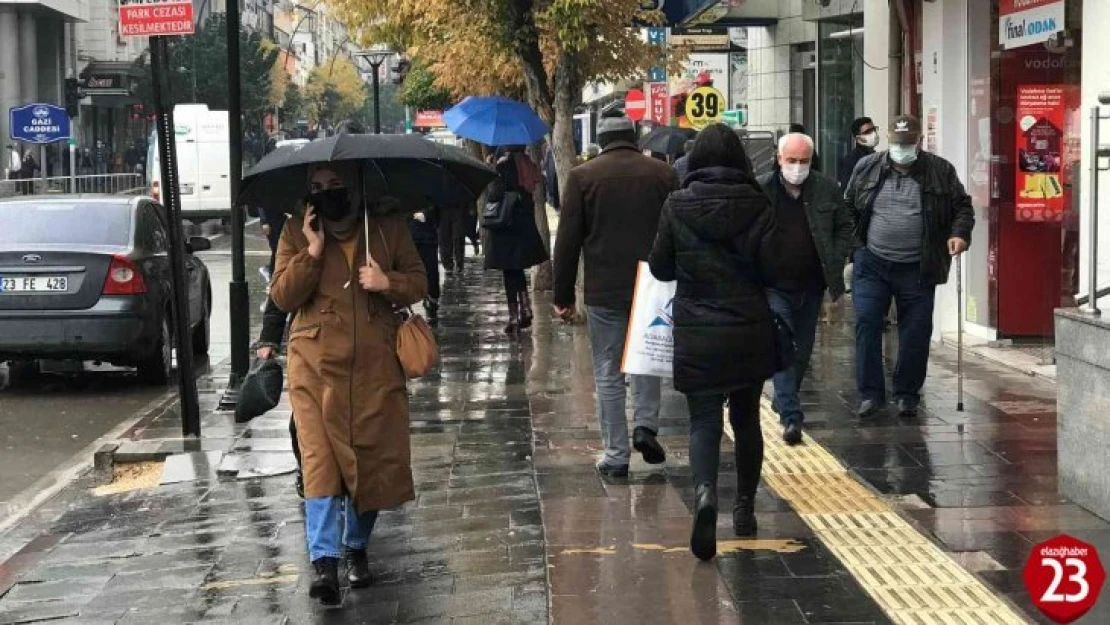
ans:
x=38 y=123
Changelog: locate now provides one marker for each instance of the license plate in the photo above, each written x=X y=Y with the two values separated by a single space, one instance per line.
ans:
x=34 y=284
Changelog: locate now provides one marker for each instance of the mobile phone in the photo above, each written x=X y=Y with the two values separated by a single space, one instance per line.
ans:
x=315 y=223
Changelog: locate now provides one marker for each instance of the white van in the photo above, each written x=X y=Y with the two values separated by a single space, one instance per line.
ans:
x=203 y=162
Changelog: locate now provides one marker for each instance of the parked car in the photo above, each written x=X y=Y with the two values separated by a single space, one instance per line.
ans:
x=87 y=277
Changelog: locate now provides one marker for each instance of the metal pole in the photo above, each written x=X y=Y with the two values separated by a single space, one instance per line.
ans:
x=960 y=333
x=377 y=109
x=240 y=298
x=42 y=166
x=171 y=194
x=1092 y=228
x=72 y=168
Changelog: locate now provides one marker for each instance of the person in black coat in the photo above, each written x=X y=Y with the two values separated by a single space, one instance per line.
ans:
x=518 y=247
x=864 y=139
x=715 y=240
x=424 y=227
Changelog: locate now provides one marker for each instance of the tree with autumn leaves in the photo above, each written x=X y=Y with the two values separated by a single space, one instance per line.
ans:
x=540 y=51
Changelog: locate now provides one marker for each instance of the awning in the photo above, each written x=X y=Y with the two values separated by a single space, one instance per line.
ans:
x=111 y=84
x=721 y=13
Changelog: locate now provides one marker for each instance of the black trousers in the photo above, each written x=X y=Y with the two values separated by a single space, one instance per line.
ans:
x=516 y=283
x=429 y=253
x=707 y=427
x=452 y=238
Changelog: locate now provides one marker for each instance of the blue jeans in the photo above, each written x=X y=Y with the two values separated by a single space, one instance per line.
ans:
x=608 y=328
x=326 y=530
x=800 y=310
x=874 y=283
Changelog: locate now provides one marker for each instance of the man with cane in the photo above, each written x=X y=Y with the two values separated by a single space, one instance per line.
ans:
x=913 y=217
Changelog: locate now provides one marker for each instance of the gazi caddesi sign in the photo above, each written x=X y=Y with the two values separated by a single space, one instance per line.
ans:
x=145 y=18
x=1027 y=22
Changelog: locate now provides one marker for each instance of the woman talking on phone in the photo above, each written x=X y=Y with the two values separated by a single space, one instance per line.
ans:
x=341 y=270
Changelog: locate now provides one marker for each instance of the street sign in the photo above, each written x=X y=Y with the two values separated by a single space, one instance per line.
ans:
x=1064 y=577
x=659 y=106
x=147 y=18
x=737 y=118
x=635 y=105
x=38 y=123
x=704 y=106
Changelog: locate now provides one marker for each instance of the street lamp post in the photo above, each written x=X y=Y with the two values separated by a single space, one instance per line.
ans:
x=376 y=58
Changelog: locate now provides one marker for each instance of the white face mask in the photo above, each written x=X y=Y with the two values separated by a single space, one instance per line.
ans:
x=795 y=173
x=870 y=139
x=903 y=154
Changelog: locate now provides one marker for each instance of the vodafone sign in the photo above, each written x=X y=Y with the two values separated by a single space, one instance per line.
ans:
x=635 y=105
x=151 y=19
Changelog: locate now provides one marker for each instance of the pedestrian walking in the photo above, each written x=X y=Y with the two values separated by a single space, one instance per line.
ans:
x=272 y=222
x=864 y=139
x=815 y=161
x=913 y=217
x=815 y=225
x=28 y=171
x=452 y=236
x=342 y=271
x=550 y=177
x=682 y=163
x=610 y=213
x=424 y=226
x=517 y=247
x=716 y=238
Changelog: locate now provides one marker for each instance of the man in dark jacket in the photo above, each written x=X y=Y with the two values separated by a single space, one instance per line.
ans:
x=550 y=177
x=864 y=138
x=814 y=225
x=913 y=216
x=610 y=213
x=423 y=228
x=452 y=237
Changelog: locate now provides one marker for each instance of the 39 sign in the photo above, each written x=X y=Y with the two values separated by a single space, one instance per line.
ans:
x=704 y=106
x=1064 y=577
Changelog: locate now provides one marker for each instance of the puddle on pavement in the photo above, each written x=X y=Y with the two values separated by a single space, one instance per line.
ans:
x=131 y=476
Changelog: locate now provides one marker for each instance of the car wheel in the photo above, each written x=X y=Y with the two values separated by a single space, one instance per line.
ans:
x=157 y=368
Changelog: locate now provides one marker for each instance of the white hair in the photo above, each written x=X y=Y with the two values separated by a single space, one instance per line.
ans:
x=793 y=135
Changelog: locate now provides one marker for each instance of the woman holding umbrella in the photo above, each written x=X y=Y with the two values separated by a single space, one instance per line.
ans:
x=342 y=269
x=517 y=247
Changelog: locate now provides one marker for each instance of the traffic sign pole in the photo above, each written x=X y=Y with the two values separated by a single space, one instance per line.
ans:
x=171 y=196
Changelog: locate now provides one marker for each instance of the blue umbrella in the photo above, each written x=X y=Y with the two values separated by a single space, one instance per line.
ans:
x=495 y=121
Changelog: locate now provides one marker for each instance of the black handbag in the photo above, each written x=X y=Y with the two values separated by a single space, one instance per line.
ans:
x=260 y=391
x=498 y=215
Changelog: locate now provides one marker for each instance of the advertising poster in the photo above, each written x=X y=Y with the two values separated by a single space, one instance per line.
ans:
x=1040 y=145
x=658 y=97
x=1027 y=22
x=701 y=70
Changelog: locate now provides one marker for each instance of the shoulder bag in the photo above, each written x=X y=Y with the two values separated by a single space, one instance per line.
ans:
x=417 y=350
x=498 y=215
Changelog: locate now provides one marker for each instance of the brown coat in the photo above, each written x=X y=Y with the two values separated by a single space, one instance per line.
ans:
x=345 y=382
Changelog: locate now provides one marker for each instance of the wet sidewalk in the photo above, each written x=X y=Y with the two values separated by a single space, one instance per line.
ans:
x=919 y=521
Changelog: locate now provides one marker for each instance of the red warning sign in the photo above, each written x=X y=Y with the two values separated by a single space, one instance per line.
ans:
x=155 y=19
x=1064 y=577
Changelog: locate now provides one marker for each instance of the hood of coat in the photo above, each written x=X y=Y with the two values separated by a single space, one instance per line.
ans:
x=718 y=203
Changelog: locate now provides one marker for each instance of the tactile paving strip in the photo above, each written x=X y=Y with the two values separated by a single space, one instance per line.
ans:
x=912 y=580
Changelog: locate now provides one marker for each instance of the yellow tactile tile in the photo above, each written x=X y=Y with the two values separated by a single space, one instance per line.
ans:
x=909 y=576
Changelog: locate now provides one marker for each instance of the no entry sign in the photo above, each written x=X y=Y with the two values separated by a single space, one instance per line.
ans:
x=635 y=105
x=139 y=18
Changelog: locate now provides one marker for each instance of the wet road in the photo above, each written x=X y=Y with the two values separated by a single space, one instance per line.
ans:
x=48 y=418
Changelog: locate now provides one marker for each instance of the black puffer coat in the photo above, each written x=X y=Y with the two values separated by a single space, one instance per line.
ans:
x=519 y=246
x=715 y=239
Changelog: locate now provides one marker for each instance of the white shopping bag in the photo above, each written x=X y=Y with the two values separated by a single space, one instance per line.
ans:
x=649 y=344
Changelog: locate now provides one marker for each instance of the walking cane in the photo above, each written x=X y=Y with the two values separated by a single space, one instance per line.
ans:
x=959 y=334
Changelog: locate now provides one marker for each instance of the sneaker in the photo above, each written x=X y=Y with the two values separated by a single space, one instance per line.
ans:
x=869 y=408
x=644 y=441
x=611 y=470
x=907 y=407
x=325 y=586
x=703 y=536
x=792 y=433
x=358 y=568
x=743 y=516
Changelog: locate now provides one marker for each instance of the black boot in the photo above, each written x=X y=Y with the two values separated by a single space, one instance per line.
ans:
x=743 y=516
x=525 y=311
x=513 y=329
x=703 y=538
x=358 y=568
x=325 y=586
x=431 y=306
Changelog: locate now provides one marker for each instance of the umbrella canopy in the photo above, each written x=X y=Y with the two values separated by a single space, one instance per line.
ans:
x=667 y=140
x=495 y=121
x=410 y=168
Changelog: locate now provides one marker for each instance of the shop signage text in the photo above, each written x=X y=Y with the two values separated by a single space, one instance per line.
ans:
x=659 y=101
x=38 y=123
x=1028 y=22
x=157 y=18
x=705 y=38
x=1040 y=152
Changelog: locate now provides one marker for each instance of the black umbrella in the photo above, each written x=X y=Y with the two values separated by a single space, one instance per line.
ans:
x=667 y=140
x=410 y=168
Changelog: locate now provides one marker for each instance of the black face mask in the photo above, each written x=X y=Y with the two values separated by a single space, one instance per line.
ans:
x=332 y=204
